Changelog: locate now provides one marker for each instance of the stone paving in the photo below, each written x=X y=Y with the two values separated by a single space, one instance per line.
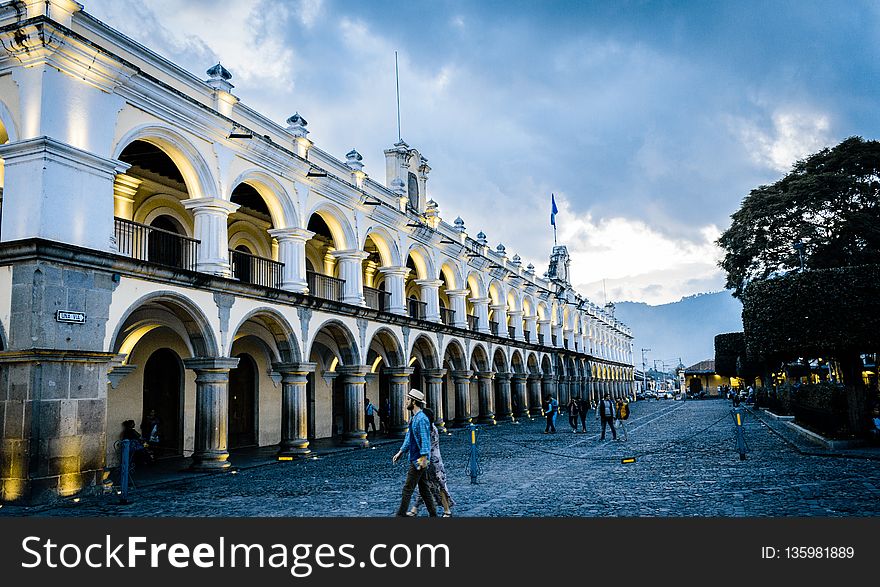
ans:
x=686 y=465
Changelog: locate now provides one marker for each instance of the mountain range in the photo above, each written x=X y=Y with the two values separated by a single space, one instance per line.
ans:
x=684 y=330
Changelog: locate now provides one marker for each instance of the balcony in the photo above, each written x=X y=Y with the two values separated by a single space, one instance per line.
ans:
x=377 y=299
x=447 y=316
x=155 y=245
x=473 y=322
x=493 y=327
x=511 y=332
x=527 y=334
x=540 y=338
x=255 y=270
x=417 y=309
x=553 y=339
x=324 y=286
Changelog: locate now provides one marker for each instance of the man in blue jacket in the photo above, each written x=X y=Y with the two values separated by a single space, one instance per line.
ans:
x=417 y=446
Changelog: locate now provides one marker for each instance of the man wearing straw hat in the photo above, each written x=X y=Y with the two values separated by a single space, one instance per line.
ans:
x=417 y=446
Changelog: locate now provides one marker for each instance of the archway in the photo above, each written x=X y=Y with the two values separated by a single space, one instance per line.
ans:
x=162 y=410
x=243 y=402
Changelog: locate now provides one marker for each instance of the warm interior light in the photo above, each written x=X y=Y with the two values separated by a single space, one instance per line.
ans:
x=411 y=361
x=333 y=364
x=376 y=364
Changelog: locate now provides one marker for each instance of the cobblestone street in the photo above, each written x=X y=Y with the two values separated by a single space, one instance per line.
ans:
x=686 y=465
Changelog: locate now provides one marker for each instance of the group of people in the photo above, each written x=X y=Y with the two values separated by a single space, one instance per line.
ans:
x=370 y=412
x=608 y=411
x=143 y=443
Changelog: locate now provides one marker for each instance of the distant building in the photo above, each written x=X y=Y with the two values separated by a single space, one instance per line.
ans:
x=709 y=381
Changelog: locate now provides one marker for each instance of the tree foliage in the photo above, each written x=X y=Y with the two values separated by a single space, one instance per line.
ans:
x=829 y=201
x=729 y=348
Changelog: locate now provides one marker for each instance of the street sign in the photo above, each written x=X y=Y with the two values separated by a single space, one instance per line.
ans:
x=70 y=317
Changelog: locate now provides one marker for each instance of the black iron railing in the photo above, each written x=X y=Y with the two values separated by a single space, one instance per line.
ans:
x=324 y=286
x=377 y=299
x=493 y=327
x=527 y=334
x=447 y=316
x=540 y=338
x=511 y=332
x=473 y=322
x=156 y=245
x=255 y=270
x=553 y=339
x=417 y=309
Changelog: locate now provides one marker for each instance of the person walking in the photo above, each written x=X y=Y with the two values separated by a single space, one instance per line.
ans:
x=583 y=408
x=436 y=475
x=605 y=412
x=552 y=410
x=621 y=415
x=369 y=416
x=417 y=446
x=573 y=410
x=385 y=417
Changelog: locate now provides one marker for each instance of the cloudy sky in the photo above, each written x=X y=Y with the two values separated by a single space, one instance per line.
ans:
x=650 y=121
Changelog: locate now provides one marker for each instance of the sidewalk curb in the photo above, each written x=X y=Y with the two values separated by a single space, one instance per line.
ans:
x=814 y=448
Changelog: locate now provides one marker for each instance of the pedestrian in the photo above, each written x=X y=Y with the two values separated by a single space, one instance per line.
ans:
x=150 y=429
x=583 y=408
x=417 y=447
x=138 y=451
x=436 y=475
x=605 y=412
x=573 y=408
x=550 y=412
x=385 y=417
x=369 y=416
x=621 y=414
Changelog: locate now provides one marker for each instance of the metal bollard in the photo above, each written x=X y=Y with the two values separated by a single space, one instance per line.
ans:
x=473 y=465
x=740 y=438
x=124 y=469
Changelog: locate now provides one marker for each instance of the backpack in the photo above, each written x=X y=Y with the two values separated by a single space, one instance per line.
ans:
x=623 y=412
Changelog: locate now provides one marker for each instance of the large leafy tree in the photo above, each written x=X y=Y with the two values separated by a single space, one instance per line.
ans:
x=829 y=201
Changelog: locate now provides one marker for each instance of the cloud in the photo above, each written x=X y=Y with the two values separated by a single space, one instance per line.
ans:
x=794 y=134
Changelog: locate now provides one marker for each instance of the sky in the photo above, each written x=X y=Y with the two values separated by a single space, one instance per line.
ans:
x=649 y=121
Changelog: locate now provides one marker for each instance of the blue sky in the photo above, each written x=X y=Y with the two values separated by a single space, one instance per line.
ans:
x=650 y=121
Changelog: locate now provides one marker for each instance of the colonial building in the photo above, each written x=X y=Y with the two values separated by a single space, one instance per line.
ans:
x=165 y=249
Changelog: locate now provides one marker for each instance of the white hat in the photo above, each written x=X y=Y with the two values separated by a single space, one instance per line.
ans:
x=416 y=395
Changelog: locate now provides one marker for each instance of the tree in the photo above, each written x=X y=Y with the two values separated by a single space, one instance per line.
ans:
x=830 y=201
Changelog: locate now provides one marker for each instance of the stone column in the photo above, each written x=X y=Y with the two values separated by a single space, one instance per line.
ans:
x=499 y=315
x=292 y=252
x=516 y=321
x=211 y=217
x=548 y=386
x=502 y=388
x=557 y=330
x=212 y=410
x=398 y=378
x=532 y=328
x=457 y=301
x=562 y=390
x=124 y=190
x=353 y=417
x=294 y=418
x=430 y=289
x=462 y=381
x=395 y=284
x=544 y=326
x=434 y=396
x=481 y=312
x=487 y=402
x=351 y=270
x=518 y=390
x=535 y=400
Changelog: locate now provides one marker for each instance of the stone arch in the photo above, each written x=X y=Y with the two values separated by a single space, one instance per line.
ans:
x=161 y=308
x=451 y=272
x=242 y=233
x=517 y=364
x=499 y=361
x=389 y=253
x=532 y=363
x=497 y=293
x=528 y=306
x=277 y=199
x=479 y=358
x=340 y=227
x=547 y=365
x=338 y=339
x=392 y=350
x=514 y=300
x=454 y=354
x=423 y=261
x=196 y=172
x=8 y=125
x=476 y=284
x=274 y=330
x=164 y=205
x=424 y=351
x=542 y=310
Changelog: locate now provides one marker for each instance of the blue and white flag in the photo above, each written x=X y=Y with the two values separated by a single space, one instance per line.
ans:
x=553 y=210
